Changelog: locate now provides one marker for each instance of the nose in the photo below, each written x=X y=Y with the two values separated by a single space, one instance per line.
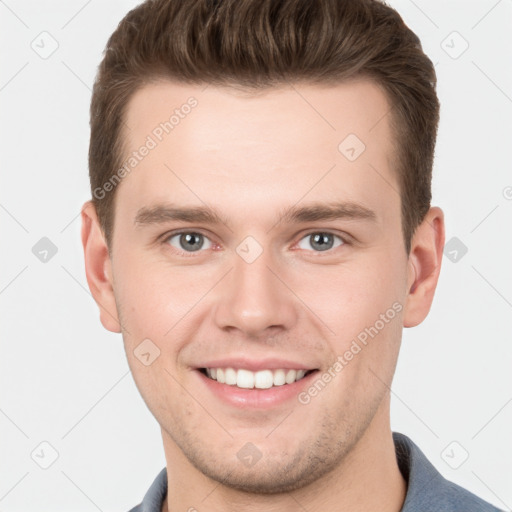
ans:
x=254 y=298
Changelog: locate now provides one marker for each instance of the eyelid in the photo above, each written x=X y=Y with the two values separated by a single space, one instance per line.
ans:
x=168 y=234
x=171 y=234
x=344 y=237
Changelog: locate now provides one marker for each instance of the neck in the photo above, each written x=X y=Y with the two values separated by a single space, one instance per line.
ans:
x=367 y=479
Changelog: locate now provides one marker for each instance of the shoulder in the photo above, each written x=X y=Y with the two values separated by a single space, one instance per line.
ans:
x=154 y=497
x=427 y=489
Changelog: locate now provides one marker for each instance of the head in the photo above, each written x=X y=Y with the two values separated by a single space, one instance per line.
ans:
x=261 y=174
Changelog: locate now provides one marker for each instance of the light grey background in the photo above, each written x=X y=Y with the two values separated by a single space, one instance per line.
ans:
x=65 y=380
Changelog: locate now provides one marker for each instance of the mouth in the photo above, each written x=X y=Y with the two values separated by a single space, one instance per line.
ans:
x=262 y=379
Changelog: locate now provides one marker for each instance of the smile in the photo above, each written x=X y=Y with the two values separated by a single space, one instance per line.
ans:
x=262 y=379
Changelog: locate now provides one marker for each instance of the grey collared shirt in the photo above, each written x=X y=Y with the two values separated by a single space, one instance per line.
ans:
x=427 y=489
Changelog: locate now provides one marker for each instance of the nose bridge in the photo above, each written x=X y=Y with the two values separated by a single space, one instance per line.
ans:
x=252 y=298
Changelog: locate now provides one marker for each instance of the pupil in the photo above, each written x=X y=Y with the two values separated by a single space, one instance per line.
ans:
x=190 y=238
x=323 y=241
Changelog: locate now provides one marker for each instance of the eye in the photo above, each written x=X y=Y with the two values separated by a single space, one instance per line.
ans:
x=320 y=241
x=188 y=241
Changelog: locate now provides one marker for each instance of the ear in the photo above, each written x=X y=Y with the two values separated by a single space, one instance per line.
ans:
x=98 y=268
x=424 y=266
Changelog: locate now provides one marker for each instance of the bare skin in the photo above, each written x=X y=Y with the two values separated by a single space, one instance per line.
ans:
x=250 y=158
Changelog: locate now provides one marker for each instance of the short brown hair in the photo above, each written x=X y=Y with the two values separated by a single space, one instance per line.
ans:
x=257 y=44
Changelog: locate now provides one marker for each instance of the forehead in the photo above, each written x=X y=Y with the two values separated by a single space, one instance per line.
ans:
x=288 y=141
x=290 y=111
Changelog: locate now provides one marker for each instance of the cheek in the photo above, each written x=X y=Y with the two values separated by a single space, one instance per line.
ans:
x=353 y=296
x=154 y=297
x=363 y=307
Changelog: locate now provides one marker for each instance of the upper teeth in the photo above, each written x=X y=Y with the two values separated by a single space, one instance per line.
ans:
x=262 y=379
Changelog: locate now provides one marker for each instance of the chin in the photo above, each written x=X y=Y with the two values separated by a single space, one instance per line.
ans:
x=268 y=475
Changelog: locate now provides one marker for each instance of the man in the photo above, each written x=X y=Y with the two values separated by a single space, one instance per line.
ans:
x=260 y=232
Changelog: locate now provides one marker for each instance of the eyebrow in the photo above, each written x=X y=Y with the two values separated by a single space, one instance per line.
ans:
x=312 y=212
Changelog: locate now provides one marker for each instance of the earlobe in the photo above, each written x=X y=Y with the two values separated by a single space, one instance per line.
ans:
x=98 y=268
x=424 y=267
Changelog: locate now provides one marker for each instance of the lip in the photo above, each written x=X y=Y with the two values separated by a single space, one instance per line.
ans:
x=255 y=365
x=255 y=398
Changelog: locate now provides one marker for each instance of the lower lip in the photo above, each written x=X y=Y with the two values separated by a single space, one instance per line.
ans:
x=256 y=398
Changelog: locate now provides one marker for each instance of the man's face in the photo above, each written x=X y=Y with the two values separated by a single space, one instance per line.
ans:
x=254 y=292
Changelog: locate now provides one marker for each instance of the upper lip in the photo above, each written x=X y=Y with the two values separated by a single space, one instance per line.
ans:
x=256 y=364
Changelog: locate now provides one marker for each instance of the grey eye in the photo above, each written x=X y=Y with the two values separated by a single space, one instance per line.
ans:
x=320 y=241
x=189 y=241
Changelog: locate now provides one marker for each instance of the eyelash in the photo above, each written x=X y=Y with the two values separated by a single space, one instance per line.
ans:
x=168 y=236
